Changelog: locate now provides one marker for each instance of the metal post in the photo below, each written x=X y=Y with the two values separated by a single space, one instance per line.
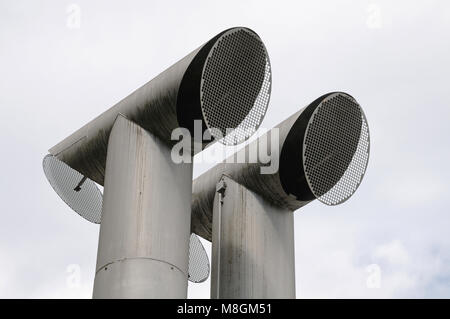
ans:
x=145 y=228
x=252 y=245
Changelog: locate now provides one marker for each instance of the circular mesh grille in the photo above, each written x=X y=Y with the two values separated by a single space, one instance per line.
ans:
x=82 y=195
x=236 y=84
x=336 y=149
x=198 y=261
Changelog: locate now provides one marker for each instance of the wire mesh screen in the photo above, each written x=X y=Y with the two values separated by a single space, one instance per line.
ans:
x=198 y=260
x=80 y=193
x=336 y=149
x=236 y=85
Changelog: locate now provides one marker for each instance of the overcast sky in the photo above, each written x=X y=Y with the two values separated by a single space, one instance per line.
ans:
x=392 y=56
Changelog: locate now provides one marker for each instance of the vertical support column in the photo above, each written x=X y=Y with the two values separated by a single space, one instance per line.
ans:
x=252 y=246
x=144 y=234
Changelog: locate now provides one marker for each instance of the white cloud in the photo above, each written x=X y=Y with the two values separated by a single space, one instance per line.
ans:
x=55 y=79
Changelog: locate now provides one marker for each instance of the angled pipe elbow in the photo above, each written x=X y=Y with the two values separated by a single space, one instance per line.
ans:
x=322 y=153
x=225 y=84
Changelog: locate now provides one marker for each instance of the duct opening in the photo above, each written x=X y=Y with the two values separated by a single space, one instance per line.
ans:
x=235 y=86
x=336 y=149
x=198 y=260
x=78 y=192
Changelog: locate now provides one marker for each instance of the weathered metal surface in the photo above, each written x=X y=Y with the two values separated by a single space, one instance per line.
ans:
x=153 y=107
x=288 y=186
x=267 y=185
x=252 y=246
x=144 y=235
x=175 y=98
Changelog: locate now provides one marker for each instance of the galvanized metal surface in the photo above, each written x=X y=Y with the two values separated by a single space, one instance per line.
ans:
x=153 y=107
x=144 y=234
x=252 y=246
x=288 y=187
x=249 y=174
x=172 y=100
x=83 y=196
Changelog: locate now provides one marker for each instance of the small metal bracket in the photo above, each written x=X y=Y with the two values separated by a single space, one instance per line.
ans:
x=221 y=186
x=78 y=187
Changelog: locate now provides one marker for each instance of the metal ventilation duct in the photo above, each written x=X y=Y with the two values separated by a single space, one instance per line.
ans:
x=323 y=153
x=225 y=84
x=83 y=196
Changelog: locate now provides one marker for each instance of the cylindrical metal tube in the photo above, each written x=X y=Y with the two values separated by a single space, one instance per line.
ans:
x=322 y=152
x=144 y=234
x=253 y=252
x=224 y=84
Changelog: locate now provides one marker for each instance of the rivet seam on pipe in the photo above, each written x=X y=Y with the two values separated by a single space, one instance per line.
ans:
x=124 y=259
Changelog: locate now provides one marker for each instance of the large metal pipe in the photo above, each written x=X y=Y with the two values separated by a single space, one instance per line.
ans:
x=224 y=84
x=144 y=235
x=253 y=252
x=322 y=151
